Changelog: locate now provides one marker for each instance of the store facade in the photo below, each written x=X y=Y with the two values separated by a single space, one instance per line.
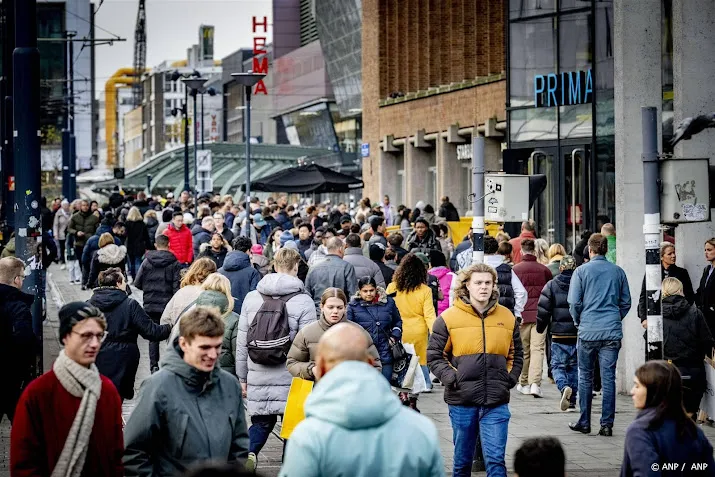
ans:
x=560 y=116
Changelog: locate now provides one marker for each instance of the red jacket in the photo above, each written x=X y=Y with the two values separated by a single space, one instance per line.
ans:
x=181 y=243
x=42 y=422
x=516 y=246
x=533 y=276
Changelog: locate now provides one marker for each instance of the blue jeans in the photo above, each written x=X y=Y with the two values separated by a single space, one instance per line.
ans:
x=605 y=353
x=387 y=371
x=564 y=366
x=492 y=424
x=134 y=263
x=260 y=430
x=425 y=371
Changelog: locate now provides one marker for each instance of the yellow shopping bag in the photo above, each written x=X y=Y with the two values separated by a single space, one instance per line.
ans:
x=294 y=414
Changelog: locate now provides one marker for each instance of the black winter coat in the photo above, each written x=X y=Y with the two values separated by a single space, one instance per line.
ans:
x=380 y=318
x=138 y=240
x=118 y=358
x=553 y=307
x=217 y=257
x=17 y=342
x=706 y=297
x=449 y=212
x=201 y=236
x=151 y=225
x=687 y=339
x=105 y=258
x=159 y=277
x=673 y=271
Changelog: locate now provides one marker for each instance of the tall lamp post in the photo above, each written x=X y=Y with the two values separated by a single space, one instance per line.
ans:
x=196 y=84
x=185 y=114
x=248 y=80
x=211 y=92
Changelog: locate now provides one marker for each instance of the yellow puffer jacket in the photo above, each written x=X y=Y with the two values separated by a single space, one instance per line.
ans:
x=418 y=315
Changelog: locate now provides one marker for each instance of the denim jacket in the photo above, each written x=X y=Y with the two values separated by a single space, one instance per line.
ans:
x=599 y=298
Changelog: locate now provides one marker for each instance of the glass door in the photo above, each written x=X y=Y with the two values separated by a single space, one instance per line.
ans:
x=576 y=185
x=545 y=211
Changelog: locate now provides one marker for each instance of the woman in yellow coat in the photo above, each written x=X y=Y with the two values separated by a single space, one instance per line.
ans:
x=414 y=301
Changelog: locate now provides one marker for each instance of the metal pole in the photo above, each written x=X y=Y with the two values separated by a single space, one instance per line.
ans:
x=66 y=163
x=651 y=231
x=247 y=140
x=196 y=172
x=185 y=114
x=202 y=121
x=573 y=196
x=7 y=212
x=72 y=189
x=28 y=239
x=73 y=168
x=148 y=185
x=478 y=204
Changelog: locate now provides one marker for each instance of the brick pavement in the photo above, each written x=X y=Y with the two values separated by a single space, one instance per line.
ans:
x=590 y=455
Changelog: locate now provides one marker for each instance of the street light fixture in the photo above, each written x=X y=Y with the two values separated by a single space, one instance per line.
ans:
x=175 y=76
x=248 y=80
x=195 y=84
x=211 y=92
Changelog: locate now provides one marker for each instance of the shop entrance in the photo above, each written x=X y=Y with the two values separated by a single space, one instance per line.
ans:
x=561 y=212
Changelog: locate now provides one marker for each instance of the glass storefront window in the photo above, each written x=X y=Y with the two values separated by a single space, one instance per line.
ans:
x=312 y=127
x=532 y=52
x=533 y=124
x=528 y=8
x=605 y=180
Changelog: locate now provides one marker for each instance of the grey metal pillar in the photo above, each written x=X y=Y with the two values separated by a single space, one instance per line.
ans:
x=651 y=230
x=196 y=172
x=202 y=121
x=478 y=204
x=185 y=114
x=66 y=163
x=28 y=225
x=247 y=140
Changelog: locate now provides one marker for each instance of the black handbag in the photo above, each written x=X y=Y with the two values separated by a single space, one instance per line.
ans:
x=400 y=360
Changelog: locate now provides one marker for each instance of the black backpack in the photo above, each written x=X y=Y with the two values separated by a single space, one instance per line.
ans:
x=268 y=337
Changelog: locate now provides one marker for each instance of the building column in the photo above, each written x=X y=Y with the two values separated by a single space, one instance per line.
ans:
x=388 y=165
x=492 y=154
x=694 y=93
x=449 y=171
x=417 y=163
x=637 y=79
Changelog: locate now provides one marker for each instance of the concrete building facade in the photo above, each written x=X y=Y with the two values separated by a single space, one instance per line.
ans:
x=433 y=77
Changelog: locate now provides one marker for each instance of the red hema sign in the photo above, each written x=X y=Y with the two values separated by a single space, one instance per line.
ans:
x=260 y=54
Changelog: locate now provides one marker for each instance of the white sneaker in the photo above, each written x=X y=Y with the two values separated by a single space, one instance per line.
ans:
x=63 y=267
x=251 y=462
x=523 y=389
x=535 y=390
x=565 y=398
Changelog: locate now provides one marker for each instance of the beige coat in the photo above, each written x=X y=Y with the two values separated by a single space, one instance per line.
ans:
x=302 y=354
x=178 y=303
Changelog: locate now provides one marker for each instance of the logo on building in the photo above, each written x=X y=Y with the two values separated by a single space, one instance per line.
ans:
x=260 y=54
x=565 y=89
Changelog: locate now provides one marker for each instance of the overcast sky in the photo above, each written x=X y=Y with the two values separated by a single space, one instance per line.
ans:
x=172 y=27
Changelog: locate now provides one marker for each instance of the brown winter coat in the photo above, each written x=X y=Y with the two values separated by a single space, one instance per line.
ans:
x=534 y=276
x=303 y=351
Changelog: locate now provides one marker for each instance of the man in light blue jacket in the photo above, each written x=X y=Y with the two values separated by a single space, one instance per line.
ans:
x=354 y=424
x=599 y=298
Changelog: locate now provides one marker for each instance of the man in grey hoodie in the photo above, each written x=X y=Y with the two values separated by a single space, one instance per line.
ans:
x=191 y=410
x=331 y=272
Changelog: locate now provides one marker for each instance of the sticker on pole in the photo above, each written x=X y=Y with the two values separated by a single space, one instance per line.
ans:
x=695 y=212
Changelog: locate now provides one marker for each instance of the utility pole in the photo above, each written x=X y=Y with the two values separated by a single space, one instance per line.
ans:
x=68 y=131
x=28 y=224
x=651 y=231
x=478 y=204
x=7 y=186
x=185 y=110
x=72 y=190
x=478 y=243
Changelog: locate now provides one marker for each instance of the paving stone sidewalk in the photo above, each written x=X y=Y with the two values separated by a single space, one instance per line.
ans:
x=587 y=455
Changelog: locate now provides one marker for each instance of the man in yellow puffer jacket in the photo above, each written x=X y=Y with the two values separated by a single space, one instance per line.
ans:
x=475 y=351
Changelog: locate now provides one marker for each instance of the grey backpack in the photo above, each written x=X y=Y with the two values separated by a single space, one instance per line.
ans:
x=268 y=336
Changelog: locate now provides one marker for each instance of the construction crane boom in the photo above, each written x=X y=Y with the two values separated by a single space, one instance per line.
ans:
x=139 y=53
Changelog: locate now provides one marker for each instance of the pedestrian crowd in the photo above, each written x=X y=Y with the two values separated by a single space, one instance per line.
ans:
x=241 y=301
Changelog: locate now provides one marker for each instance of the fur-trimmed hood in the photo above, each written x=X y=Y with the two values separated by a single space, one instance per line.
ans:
x=111 y=254
x=380 y=299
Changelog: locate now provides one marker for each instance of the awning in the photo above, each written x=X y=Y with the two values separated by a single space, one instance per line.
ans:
x=310 y=178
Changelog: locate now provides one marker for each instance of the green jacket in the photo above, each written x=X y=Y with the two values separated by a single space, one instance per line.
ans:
x=227 y=361
x=82 y=222
x=611 y=254
x=184 y=416
x=9 y=250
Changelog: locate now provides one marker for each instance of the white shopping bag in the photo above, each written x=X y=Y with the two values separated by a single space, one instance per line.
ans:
x=414 y=381
x=708 y=402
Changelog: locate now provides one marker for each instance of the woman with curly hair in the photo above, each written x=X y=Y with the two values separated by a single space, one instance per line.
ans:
x=414 y=301
x=189 y=291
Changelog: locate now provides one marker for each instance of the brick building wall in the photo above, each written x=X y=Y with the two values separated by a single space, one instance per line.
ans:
x=448 y=58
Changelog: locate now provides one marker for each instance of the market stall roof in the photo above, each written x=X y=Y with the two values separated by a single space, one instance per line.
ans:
x=310 y=178
x=228 y=166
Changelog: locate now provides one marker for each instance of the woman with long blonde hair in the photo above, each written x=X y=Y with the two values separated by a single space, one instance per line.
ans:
x=189 y=291
x=138 y=241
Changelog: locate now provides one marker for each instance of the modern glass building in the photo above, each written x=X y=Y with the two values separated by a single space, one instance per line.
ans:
x=560 y=111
